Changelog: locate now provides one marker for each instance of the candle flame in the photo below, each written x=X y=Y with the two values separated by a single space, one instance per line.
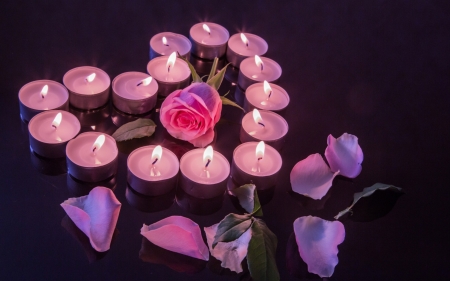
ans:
x=57 y=120
x=145 y=81
x=257 y=117
x=244 y=39
x=259 y=62
x=98 y=143
x=44 y=91
x=156 y=154
x=206 y=28
x=171 y=61
x=164 y=41
x=90 y=78
x=260 y=148
x=267 y=89
x=208 y=155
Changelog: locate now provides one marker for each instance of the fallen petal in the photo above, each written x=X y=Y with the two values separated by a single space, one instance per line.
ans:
x=96 y=215
x=177 y=234
x=344 y=155
x=317 y=241
x=312 y=177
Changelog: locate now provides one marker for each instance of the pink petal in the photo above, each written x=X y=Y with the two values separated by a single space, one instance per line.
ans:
x=312 y=177
x=177 y=234
x=203 y=140
x=344 y=155
x=96 y=215
x=317 y=241
x=206 y=94
x=232 y=253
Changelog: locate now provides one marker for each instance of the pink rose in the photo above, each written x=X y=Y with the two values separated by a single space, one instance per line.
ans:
x=191 y=114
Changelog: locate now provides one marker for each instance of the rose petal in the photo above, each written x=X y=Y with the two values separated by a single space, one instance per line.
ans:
x=232 y=253
x=177 y=234
x=312 y=177
x=206 y=94
x=96 y=215
x=204 y=140
x=344 y=155
x=317 y=241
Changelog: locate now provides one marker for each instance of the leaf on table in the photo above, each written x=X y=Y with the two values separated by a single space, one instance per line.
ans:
x=248 y=199
x=137 y=129
x=261 y=253
x=226 y=101
x=368 y=191
x=217 y=79
x=231 y=228
x=195 y=76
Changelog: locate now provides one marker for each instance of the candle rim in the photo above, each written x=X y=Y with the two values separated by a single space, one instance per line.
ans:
x=273 y=86
x=55 y=83
x=65 y=116
x=209 y=24
x=271 y=61
x=267 y=148
x=178 y=61
x=249 y=35
x=97 y=70
x=153 y=39
x=263 y=112
x=216 y=155
x=113 y=86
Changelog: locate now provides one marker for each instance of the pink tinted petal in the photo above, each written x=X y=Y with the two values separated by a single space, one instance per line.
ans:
x=207 y=95
x=344 y=155
x=96 y=215
x=312 y=177
x=317 y=241
x=177 y=234
x=203 y=140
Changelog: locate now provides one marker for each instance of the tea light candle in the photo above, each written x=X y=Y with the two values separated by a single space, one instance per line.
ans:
x=92 y=157
x=41 y=95
x=257 y=69
x=165 y=43
x=88 y=87
x=264 y=125
x=172 y=73
x=152 y=170
x=244 y=45
x=134 y=92
x=266 y=96
x=256 y=163
x=204 y=173
x=209 y=40
x=49 y=132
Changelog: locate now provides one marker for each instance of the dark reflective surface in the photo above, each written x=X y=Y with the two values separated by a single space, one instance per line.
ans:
x=375 y=69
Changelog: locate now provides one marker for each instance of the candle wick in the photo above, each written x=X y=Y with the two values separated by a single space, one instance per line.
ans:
x=42 y=96
x=168 y=68
x=262 y=124
x=207 y=163
x=246 y=44
x=54 y=126
x=262 y=67
x=167 y=45
x=154 y=162
x=93 y=149
x=139 y=84
x=270 y=94
x=260 y=158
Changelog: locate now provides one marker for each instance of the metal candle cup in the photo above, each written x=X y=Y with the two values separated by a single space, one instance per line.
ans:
x=174 y=43
x=177 y=78
x=243 y=46
x=273 y=98
x=208 y=45
x=250 y=72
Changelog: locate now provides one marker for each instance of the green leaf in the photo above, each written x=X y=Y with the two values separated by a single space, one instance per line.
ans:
x=217 y=79
x=137 y=129
x=365 y=193
x=226 y=101
x=195 y=76
x=213 y=69
x=231 y=228
x=261 y=253
x=248 y=199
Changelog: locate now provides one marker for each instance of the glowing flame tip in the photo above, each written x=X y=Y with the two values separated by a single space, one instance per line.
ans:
x=164 y=41
x=206 y=28
x=98 y=143
x=260 y=148
x=208 y=155
x=171 y=61
x=44 y=91
x=259 y=63
x=267 y=89
x=244 y=39
x=91 y=77
x=156 y=154
x=257 y=117
x=57 y=121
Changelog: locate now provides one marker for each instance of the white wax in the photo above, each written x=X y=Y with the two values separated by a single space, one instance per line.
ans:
x=219 y=35
x=257 y=97
x=271 y=72
x=176 y=43
x=244 y=156
x=192 y=166
x=157 y=68
x=256 y=46
x=275 y=126
x=140 y=164
x=125 y=85
x=30 y=95
x=79 y=150
x=75 y=80
x=41 y=129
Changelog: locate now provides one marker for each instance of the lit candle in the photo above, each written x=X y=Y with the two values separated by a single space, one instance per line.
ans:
x=244 y=45
x=134 y=92
x=41 y=95
x=264 y=126
x=92 y=157
x=172 y=73
x=204 y=173
x=266 y=96
x=165 y=43
x=209 y=40
x=256 y=163
x=152 y=170
x=49 y=132
x=257 y=69
x=88 y=87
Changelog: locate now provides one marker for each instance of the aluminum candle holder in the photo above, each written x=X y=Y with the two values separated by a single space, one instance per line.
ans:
x=178 y=77
x=164 y=43
x=244 y=45
x=209 y=40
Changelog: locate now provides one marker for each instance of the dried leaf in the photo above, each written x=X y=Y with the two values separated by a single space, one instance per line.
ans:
x=137 y=129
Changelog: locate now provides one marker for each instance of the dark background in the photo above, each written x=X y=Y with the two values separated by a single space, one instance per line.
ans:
x=375 y=69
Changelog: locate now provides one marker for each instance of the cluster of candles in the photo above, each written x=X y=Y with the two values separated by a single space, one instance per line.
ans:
x=154 y=170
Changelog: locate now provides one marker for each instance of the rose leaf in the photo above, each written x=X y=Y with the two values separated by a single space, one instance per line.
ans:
x=137 y=129
x=213 y=69
x=231 y=228
x=226 y=101
x=216 y=80
x=248 y=199
x=195 y=76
